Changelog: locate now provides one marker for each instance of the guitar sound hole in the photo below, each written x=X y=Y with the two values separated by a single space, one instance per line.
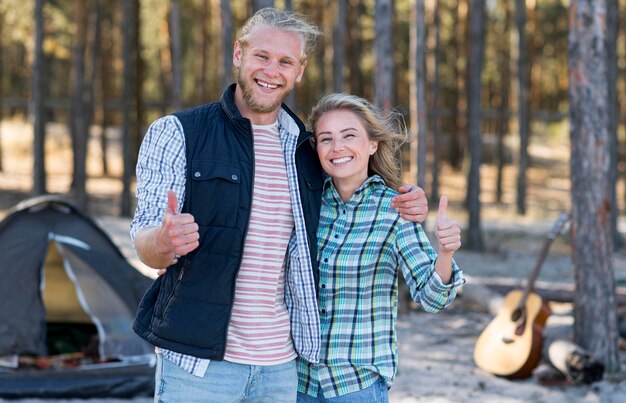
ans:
x=516 y=315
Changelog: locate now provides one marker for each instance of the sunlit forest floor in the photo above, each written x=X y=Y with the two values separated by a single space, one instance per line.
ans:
x=429 y=345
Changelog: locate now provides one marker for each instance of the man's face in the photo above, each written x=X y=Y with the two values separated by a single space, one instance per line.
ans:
x=269 y=67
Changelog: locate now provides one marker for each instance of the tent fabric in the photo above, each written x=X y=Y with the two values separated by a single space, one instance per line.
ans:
x=107 y=286
x=103 y=381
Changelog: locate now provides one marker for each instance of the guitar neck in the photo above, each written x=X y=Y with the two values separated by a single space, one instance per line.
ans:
x=535 y=273
x=556 y=230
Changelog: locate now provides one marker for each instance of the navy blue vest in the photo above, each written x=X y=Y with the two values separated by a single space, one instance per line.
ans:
x=187 y=310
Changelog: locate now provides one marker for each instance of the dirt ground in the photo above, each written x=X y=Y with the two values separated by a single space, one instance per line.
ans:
x=436 y=362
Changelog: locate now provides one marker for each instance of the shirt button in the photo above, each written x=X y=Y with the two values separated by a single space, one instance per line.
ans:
x=197 y=174
x=336 y=236
x=234 y=177
x=323 y=310
x=325 y=260
x=323 y=285
x=344 y=211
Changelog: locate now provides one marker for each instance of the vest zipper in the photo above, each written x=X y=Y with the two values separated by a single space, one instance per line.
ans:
x=178 y=280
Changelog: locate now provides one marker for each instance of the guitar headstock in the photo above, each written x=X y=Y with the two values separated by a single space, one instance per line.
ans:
x=559 y=226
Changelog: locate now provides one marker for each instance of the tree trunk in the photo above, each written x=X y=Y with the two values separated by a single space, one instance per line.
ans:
x=504 y=64
x=434 y=190
x=177 y=55
x=130 y=9
x=595 y=327
x=417 y=74
x=522 y=104
x=1 y=87
x=226 y=15
x=78 y=118
x=166 y=70
x=355 y=47
x=37 y=105
x=475 y=63
x=383 y=44
x=458 y=44
x=137 y=95
x=259 y=4
x=339 y=45
x=203 y=63
x=95 y=14
x=106 y=93
x=612 y=23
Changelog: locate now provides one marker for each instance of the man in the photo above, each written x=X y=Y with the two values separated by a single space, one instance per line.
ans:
x=229 y=315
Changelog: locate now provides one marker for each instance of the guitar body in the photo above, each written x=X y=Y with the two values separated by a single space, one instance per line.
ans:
x=510 y=346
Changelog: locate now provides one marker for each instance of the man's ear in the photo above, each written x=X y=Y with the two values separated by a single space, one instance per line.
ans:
x=301 y=73
x=237 y=54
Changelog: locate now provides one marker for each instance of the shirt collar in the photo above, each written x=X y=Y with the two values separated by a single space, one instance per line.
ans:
x=363 y=191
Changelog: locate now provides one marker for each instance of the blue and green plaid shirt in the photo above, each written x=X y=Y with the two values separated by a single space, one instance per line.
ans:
x=362 y=244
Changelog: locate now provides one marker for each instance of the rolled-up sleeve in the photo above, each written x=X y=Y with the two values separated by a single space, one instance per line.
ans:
x=417 y=261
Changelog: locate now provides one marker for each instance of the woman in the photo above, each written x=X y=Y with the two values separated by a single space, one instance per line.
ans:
x=362 y=245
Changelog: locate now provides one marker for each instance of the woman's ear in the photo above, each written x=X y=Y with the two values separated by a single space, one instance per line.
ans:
x=373 y=147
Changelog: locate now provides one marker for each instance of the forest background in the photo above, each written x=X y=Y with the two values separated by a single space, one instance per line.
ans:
x=492 y=90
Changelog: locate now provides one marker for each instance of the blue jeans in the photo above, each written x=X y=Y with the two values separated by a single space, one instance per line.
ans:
x=377 y=393
x=226 y=382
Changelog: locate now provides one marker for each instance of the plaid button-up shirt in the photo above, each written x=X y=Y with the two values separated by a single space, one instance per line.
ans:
x=363 y=244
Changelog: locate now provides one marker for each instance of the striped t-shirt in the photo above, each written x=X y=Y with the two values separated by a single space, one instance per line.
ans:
x=259 y=331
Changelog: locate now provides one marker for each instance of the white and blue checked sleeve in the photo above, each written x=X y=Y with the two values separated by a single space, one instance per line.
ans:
x=161 y=166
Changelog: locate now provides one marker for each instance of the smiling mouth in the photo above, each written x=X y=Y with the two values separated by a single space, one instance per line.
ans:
x=269 y=86
x=342 y=160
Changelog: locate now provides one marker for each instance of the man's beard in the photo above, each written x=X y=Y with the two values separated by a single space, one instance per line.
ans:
x=248 y=96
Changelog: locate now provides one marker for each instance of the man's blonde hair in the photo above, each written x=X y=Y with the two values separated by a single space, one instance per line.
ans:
x=286 y=21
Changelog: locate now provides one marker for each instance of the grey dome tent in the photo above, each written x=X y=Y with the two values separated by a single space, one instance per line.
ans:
x=59 y=271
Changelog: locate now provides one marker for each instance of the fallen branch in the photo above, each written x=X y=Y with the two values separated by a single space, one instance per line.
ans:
x=555 y=292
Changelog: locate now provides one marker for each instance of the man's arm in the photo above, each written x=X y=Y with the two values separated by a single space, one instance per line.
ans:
x=411 y=203
x=161 y=170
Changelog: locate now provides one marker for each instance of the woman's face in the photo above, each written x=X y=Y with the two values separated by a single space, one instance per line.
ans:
x=344 y=147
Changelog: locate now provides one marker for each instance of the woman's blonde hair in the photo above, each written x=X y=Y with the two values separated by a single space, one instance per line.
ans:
x=388 y=130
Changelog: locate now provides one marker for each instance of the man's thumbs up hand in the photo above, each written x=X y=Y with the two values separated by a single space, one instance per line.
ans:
x=447 y=231
x=179 y=233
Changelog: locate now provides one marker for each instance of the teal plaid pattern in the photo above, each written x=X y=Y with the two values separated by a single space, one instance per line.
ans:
x=362 y=245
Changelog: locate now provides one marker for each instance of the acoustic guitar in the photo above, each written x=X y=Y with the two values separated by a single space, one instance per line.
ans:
x=510 y=345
